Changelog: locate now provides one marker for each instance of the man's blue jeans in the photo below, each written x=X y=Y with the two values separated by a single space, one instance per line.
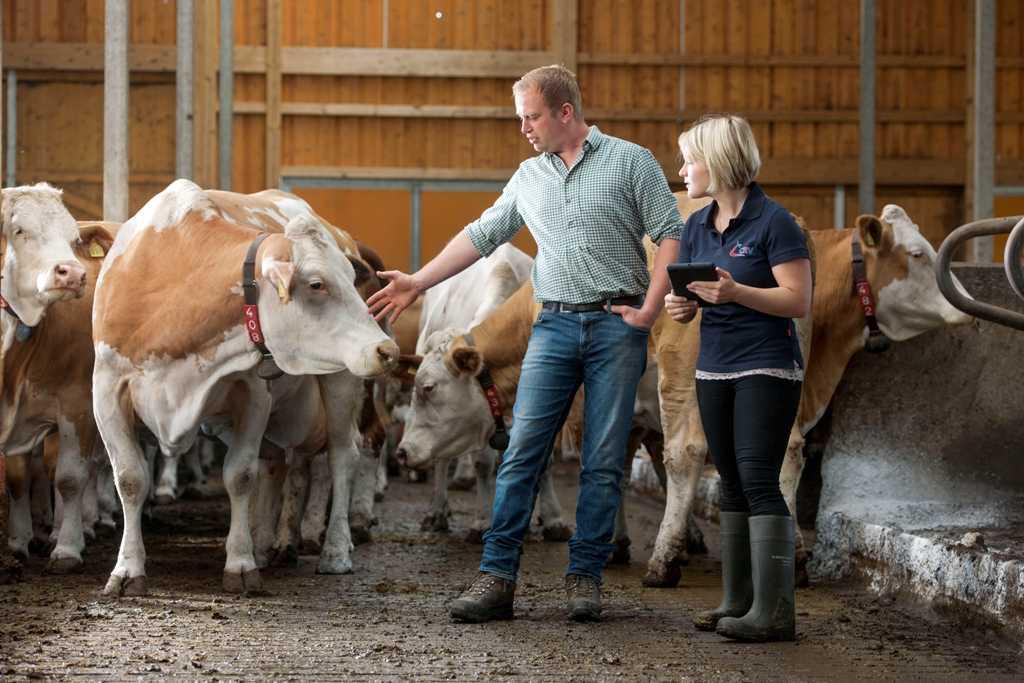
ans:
x=600 y=351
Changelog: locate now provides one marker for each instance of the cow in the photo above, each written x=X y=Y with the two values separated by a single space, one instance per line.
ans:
x=49 y=271
x=898 y=261
x=174 y=348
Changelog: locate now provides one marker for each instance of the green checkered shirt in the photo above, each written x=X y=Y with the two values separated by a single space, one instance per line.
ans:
x=588 y=221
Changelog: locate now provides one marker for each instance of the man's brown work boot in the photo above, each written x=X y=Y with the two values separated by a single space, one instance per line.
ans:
x=488 y=599
x=583 y=594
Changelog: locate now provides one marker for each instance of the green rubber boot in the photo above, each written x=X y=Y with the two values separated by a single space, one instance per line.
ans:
x=736 y=584
x=773 y=614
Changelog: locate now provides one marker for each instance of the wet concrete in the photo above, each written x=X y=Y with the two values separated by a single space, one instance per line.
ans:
x=387 y=621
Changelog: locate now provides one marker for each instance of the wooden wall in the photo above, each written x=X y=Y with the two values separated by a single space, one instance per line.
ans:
x=419 y=90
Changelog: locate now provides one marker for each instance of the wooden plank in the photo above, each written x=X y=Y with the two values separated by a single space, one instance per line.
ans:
x=564 y=31
x=343 y=61
x=273 y=65
x=597 y=114
x=204 y=96
x=84 y=56
x=395 y=173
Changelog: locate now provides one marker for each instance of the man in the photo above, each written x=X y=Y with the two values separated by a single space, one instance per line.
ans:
x=588 y=199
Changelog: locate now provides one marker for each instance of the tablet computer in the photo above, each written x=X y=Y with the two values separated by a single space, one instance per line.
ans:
x=682 y=274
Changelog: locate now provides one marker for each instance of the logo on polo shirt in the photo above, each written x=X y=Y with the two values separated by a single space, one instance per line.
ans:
x=740 y=250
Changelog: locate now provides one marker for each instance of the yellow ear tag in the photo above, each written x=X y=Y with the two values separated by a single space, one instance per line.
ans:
x=95 y=249
x=281 y=291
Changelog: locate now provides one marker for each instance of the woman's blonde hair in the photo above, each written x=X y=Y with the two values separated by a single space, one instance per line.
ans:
x=726 y=145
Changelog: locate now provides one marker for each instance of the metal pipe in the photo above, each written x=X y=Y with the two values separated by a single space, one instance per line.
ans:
x=866 y=174
x=1011 y=259
x=115 y=111
x=11 y=151
x=227 y=86
x=183 y=122
x=944 y=276
x=839 y=208
x=984 y=121
x=415 y=228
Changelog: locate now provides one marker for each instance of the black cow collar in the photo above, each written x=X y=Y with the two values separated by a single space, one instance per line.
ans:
x=877 y=341
x=499 y=440
x=268 y=369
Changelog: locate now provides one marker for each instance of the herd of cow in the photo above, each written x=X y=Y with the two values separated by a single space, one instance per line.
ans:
x=242 y=317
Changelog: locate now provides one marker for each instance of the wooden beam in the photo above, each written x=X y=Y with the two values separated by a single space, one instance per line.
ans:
x=564 y=36
x=344 y=61
x=395 y=173
x=273 y=66
x=85 y=56
x=204 y=100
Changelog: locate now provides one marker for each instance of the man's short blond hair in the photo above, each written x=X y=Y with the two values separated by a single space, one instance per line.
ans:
x=557 y=86
x=726 y=145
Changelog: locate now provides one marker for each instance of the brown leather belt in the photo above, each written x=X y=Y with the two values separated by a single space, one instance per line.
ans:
x=605 y=305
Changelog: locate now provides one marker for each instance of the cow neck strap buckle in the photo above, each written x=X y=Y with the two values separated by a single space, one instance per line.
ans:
x=499 y=440
x=267 y=369
x=877 y=341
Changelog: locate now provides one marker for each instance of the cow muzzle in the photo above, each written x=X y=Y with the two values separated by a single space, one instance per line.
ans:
x=67 y=276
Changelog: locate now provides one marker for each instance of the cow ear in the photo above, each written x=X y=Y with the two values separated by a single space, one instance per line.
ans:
x=363 y=272
x=871 y=230
x=279 y=273
x=408 y=364
x=465 y=361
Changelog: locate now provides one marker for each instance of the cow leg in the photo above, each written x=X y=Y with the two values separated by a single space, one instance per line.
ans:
x=19 y=521
x=198 y=485
x=364 y=485
x=553 y=527
x=240 y=469
x=381 y=481
x=343 y=395
x=106 y=495
x=90 y=502
x=437 y=518
x=76 y=440
x=789 y=481
x=484 y=464
x=685 y=452
x=293 y=502
x=167 y=484
x=131 y=479
x=318 y=501
x=265 y=507
x=465 y=473
x=41 y=500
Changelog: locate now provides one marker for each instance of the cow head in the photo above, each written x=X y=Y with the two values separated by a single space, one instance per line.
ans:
x=448 y=415
x=39 y=264
x=900 y=266
x=313 y=318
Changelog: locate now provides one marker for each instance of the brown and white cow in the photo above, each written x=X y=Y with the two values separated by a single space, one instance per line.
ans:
x=172 y=350
x=49 y=270
x=899 y=263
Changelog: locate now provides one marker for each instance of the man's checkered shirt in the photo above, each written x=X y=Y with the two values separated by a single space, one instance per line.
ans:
x=588 y=221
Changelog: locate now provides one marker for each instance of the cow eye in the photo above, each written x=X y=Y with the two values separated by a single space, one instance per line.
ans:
x=316 y=285
x=917 y=253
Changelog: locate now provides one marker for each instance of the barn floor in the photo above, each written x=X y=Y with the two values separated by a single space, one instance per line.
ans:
x=387 y=620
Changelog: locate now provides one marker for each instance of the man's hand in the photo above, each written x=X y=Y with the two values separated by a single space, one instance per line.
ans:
x=398 y=295
x=720 y=291
x=635 y=317
x=679 y=308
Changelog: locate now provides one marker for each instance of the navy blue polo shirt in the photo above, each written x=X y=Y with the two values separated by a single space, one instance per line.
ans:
x=734 y=338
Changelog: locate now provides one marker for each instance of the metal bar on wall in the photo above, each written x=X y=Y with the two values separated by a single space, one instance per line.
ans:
x=183 y=90
x=11 y=147
x=227 y=87
x=115 y=111
x=866 y=174
x=415 y=227
x=839 y=208
x=983 y=133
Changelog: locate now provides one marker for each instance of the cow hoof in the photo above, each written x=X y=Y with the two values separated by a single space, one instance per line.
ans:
x=38 y=546
x=106 y=528
x=64 y=565
x=334 y=565
x=435 y=522
x=378 y=496
x=284 y=557
x=163 y=499
x=556 y=532
x=621 y=553
x=663 y=578
x=360 y=534
x=21 y=554
x=129 y=587
x=247 y=583
x=475 y=536
x=311 y=546
x=262 y=559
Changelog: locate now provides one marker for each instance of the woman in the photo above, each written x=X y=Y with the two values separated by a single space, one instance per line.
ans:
x=749 y=370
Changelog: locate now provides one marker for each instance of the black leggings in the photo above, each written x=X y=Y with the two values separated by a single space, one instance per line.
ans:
x=747 y=423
